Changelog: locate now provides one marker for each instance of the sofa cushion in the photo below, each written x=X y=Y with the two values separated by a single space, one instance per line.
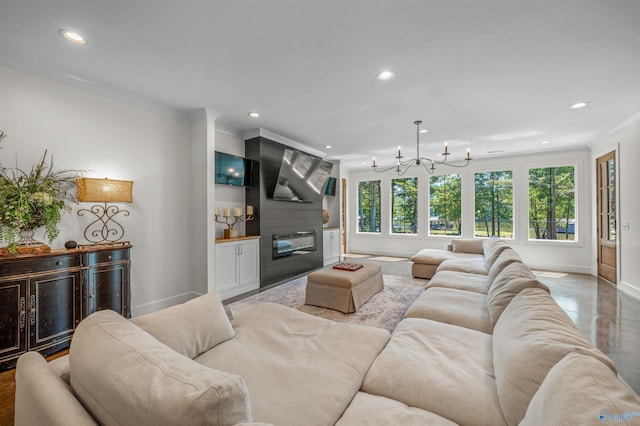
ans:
x=432 y=256
x=460 y=280
x=296 y=366
x=531 y=336
x=441 y=368
x=374 y=410
x=204 y=317
x=514 y=278
x=467 y=246
x=492 y=248
x=473 y=264
x=581 y=390
x=505 y=258
x=43 y=397
x=466 y=309
x=123 y=375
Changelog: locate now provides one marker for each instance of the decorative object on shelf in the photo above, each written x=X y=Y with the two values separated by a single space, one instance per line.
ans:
x=325 y=216
x=237 y=216
x=104 y=229
x=429 y=164
x=31 y=200
x=70 y=245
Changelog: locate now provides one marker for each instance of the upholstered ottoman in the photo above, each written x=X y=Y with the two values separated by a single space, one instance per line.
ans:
x=343 y=291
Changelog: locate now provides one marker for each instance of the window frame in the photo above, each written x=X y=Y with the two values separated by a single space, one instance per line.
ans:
x=577 y=170
x=392 y=202
x=428 y=225
x=357 y=213
x=514 y=215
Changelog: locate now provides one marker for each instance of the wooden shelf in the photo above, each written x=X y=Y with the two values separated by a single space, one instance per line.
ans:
x=240 y=238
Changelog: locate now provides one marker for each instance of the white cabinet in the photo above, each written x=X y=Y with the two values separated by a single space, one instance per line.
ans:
x=237 y=267
x=331 y=246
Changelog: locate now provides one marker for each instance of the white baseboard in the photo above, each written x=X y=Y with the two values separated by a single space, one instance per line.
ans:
x=629 y=289
x=156 y=305
x=560 y=268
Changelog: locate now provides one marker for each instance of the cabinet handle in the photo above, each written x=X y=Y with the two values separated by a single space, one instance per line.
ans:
x=32 y=314
x=109 y=257
x=23 y=314
x=58 y=263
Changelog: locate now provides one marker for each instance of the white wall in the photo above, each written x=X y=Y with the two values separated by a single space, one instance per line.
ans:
x=112 y=139
x=626 y=142
x=548 y=255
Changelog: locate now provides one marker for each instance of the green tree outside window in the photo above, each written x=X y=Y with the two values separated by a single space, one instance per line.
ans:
x=369 y=206
x=445 y=205
x=404 y=205
x=552 y=203
x=494 y=204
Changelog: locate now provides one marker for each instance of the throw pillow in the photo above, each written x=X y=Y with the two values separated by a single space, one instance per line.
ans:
x=122 y=375
x=190 y=328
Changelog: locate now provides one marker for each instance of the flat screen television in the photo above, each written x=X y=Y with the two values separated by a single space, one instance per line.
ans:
x=232 y=170
x=302 y=177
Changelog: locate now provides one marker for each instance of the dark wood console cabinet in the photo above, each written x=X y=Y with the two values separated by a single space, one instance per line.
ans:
x=43 y=297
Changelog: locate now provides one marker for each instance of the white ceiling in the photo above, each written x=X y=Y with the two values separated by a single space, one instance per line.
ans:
x=486 y=75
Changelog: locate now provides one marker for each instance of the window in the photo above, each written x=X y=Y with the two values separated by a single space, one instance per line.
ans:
x=494 y=204
x=404 y=206
x=445 y=205
x=552 y=203
x=369 y=206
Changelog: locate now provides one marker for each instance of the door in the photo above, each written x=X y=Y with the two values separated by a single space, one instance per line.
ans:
x=13 y=318
x=606 y=187
x=249 y=262
x=54 y=300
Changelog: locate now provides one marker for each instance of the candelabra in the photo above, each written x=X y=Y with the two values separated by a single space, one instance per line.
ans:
x=231 y=220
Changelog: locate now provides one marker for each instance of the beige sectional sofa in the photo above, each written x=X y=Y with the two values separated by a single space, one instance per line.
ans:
x=483 y=348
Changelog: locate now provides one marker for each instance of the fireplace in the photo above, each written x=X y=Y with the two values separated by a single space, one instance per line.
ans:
x=293 y=244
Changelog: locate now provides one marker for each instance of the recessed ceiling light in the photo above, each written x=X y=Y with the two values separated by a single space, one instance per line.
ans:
x=579 y=105
x=328 y=146
x=72 y=37
x=545 y=142
x=386 y=75
x=254 y=115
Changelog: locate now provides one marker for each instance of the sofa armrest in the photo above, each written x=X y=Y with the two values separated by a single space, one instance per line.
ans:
x=43 y=398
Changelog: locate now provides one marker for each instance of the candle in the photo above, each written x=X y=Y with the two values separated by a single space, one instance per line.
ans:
x=217 y=211
x=249 y=210
x=237 y=211
x=226 y=213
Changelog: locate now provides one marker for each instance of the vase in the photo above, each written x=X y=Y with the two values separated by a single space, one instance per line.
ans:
x=26 y=238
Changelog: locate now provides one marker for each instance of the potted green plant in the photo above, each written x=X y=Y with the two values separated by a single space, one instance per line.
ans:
x=32 y=200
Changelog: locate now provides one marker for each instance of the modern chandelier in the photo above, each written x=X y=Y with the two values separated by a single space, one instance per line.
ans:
x=429 y=164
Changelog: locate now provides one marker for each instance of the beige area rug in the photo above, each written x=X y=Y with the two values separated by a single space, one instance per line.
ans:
x=384 y=310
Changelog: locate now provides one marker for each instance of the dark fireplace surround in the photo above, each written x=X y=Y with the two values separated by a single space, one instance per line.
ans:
x=290 y=232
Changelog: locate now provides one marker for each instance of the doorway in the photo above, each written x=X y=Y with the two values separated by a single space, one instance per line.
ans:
x=607 y=232
x=343 y=194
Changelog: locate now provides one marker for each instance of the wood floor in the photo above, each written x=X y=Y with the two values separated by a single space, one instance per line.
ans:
x=610 y=319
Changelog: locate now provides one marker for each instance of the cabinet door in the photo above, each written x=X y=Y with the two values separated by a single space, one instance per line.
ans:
x=13 y=317
x=108 y=288
x=335 y=244
x=227 y=266
x=53 y=308
x=249 y=262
